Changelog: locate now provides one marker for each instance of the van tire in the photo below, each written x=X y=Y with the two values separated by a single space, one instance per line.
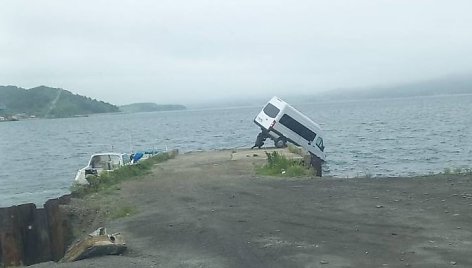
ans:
x=280 y=143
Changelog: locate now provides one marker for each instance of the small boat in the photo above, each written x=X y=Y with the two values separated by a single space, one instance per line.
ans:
x=102 y=162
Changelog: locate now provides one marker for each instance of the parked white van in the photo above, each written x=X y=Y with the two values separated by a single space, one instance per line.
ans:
x=283 y=123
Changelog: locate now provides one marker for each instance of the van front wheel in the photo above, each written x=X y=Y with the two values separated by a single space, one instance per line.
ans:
x=280 y=143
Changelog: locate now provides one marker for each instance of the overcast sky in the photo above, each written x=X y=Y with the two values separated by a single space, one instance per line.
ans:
x=184 y=51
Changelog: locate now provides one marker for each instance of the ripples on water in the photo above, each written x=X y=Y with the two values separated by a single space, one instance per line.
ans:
x=392 y=137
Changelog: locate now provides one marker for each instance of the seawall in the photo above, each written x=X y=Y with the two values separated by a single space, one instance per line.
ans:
x=30 y=235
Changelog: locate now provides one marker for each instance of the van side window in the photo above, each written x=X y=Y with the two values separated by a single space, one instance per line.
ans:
x=319 y=143
x=271 y=110
x=296 y=127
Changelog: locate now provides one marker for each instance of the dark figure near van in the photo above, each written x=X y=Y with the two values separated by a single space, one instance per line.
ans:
x=261 y=137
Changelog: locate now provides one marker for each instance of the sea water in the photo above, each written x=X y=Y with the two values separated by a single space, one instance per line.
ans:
x=381 y=138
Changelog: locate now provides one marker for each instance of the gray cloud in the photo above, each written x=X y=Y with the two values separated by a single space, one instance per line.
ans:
x=187 y=51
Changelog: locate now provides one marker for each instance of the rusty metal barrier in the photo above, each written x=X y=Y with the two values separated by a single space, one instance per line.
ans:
x=30 y=235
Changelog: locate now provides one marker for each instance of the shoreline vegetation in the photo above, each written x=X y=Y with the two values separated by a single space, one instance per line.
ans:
x=45 y=102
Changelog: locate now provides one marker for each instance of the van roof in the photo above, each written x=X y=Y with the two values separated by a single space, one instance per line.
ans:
x=277 y=99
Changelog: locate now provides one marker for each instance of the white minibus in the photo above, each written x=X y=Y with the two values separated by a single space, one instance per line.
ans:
x=282 y=123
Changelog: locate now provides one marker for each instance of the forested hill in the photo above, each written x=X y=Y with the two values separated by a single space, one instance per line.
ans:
x=49 y=103
x=150 y=107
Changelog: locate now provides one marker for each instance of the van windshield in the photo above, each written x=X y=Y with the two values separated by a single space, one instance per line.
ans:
x=271 y=110
x=319 y=143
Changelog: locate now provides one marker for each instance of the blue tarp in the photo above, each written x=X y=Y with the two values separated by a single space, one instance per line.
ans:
x=137 y=156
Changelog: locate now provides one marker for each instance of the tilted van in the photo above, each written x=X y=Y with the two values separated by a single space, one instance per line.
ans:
x=282 y=123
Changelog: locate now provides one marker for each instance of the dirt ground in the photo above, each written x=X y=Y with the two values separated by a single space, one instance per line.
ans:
x=210 y=209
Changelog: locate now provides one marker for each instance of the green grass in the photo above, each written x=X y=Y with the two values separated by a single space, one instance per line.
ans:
x=279 y=165
x=122 y=212
x=107 y=181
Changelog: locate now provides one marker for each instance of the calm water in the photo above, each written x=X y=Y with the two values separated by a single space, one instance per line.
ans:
x=394 y=137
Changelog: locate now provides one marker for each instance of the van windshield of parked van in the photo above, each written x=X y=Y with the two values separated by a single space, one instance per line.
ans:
x=271 y=110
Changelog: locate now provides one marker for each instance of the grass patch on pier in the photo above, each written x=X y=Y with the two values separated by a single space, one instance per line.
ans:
x=107 y=181
x=121 y=212
x=279 y=165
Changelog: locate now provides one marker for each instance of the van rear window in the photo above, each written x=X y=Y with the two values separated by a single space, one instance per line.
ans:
x=271 y=110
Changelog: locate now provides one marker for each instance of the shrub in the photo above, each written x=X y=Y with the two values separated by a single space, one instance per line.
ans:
x=279 y=165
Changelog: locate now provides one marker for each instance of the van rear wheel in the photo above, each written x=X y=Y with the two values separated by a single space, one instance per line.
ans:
x=280 y=143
